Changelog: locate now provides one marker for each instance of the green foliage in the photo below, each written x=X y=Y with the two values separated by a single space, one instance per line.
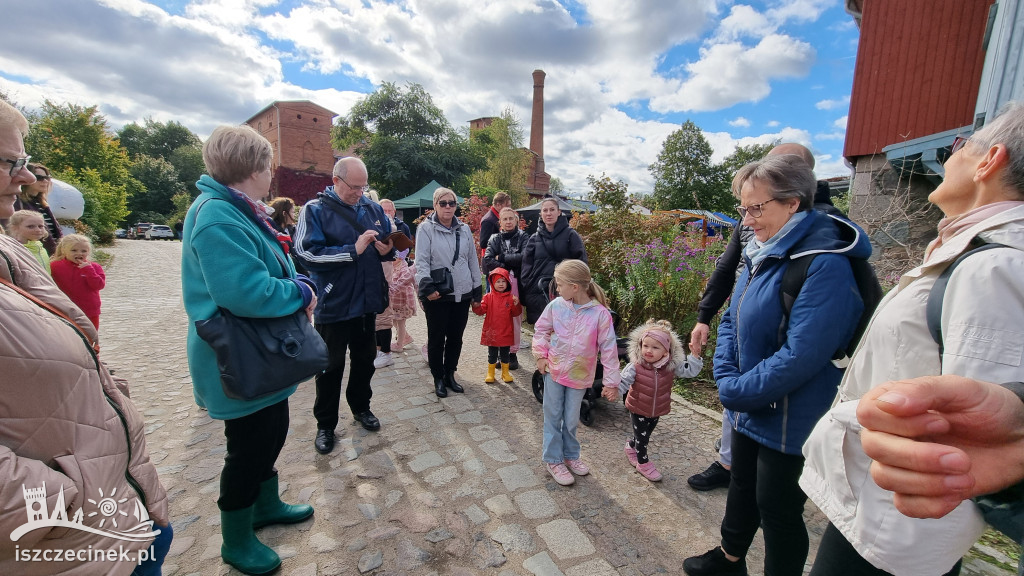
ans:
x=405 y=141
x=156 y=139
x=608 y=194
x=684 y=176
x=556 y=186
x=842 y=202
x=160 y=184
x=606 y=233
x=664 y=280
x=182 y=202
x=744 y=155
x=73 y=141
x=501 y=144
x=188 y=161
x=105 y=202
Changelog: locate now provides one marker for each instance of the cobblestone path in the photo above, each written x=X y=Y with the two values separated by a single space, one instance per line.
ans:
x=452 y=486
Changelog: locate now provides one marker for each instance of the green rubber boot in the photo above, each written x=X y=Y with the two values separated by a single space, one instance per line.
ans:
x=269 y=509
x=241 y=548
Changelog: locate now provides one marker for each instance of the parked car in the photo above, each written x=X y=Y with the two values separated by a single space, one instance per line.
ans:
x=159 y=232
x=139 y=230
x=120 y=233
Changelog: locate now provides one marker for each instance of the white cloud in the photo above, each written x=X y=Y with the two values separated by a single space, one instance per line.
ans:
x=743 y=21
x=771 y=123
x=828 y=166
x=833 y=104
x=723 y=143
x=731 y=73
x=841 y=122
x=830 y=136
x=740 y=122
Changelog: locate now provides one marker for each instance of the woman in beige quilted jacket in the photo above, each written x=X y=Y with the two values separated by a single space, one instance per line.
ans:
x=72 y=445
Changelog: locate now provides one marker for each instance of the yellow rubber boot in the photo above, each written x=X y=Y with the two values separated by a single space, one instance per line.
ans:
x=490 y=373
x=505 y=376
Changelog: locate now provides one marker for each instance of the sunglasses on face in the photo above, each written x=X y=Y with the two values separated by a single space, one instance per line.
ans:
x=16 y=164
x=446 y=203
x=42 y=177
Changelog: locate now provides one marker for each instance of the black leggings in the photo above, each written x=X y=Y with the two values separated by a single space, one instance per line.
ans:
x=494 y=352
x=384 y=340
x=837 y=557
x=642 y=428
x=254 y=442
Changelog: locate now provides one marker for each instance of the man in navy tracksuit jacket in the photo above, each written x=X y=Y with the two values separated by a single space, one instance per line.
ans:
x=339 y=240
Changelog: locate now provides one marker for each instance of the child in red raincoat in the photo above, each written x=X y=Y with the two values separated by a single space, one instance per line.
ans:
x=498 y=308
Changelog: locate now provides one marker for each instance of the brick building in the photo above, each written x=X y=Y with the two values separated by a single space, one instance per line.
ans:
x=300 y=133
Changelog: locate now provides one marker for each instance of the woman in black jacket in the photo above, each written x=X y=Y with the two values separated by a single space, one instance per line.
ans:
x=553 y=242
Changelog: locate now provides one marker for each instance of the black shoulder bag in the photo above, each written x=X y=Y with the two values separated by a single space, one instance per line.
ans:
x=442 y=278
x=257 y=357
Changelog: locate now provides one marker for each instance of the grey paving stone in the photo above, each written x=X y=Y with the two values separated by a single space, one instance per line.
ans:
x=596 y=567
x=411 y=413
x=425 y=461
x=565 y=539
x=370 y=561
x=498 y=450
x=500 y=505
x=514 y=538
x=518 y=476
x=485 y=432
x=537 y=504
x=322 y=543
x=476 y=515
x=542 y=565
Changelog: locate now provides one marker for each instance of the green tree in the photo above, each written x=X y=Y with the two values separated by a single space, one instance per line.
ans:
x=744 y=155
x=508 y=162
x=188 y=161
x=159 y=185
x=75 y=143
x=556 y=186
x=405 y=141
x=607 y=193
x=684 y=175
x=156 y=139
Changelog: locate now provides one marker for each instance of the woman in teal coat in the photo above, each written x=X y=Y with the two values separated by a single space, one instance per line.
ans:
x=233 y=258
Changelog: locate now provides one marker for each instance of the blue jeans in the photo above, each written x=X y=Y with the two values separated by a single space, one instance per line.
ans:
x=161 y=545
x=561 y=418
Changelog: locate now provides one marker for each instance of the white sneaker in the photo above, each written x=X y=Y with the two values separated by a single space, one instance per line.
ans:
x=383 y=359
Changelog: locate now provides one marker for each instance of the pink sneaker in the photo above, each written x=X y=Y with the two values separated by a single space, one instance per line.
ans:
x=630 y=454
x=560 y=473
x=649 y=471
x=578 y=467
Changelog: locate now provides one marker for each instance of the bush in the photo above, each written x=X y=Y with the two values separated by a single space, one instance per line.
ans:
x=608 y=232
x=664 y=280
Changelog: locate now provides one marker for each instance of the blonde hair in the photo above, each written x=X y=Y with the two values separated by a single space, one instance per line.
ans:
x=577 y=272
x=68 y=242
x=234 y=153
x=441 y=192
x=9 y=115
x=21 y=215
x=675 y=352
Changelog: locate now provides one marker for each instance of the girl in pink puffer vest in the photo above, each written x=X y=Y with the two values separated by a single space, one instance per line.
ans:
x=571 y=333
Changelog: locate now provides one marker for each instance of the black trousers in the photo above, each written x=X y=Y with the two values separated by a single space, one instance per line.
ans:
x=253 y=444
x=495 y=352
x=642 y=428
x=446 y=321
x=384 y=340
x=358 y=337
x=764 y=493
x=837 y=557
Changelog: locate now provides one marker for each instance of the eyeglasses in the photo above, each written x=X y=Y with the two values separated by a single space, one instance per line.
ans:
x=364 y=188
x=755 y=210
x=447 y=203
x=42 y=177
x=16 y=164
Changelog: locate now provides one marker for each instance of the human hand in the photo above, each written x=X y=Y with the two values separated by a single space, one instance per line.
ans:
x=938 y=440
x=311 y=308
x=515 y=300
x=384 y=247
x=434 y=296
x=542 y=365
x=364 y=240
x=610 y=393
x=699 y=338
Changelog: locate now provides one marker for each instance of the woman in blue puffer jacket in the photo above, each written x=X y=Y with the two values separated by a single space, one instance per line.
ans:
x=778 y=380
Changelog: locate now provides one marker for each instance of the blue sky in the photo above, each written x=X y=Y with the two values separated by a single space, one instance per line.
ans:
x=620 y=76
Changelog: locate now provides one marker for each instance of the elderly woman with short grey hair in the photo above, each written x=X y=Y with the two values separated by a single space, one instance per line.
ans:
x=448 y=276
x=776 y=382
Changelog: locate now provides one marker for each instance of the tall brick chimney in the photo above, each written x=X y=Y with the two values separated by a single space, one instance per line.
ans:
x=537 y=122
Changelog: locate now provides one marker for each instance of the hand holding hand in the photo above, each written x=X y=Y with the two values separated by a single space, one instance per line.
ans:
x=364 y=240
x=610 y=393
x=434 y=296
x=938 y=440
x=515 y=300
x=542 y=365
x=699 y=338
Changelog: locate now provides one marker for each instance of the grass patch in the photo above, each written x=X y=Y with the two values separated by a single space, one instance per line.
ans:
x=1003 y=546
x=700 y=392
x=102 y=257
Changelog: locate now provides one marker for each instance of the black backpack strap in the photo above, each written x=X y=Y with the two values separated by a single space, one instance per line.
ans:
x=344 y=214
x=933 y=310
x=792 y=280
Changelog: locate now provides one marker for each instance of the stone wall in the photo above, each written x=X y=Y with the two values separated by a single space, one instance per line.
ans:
x=892 y=206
